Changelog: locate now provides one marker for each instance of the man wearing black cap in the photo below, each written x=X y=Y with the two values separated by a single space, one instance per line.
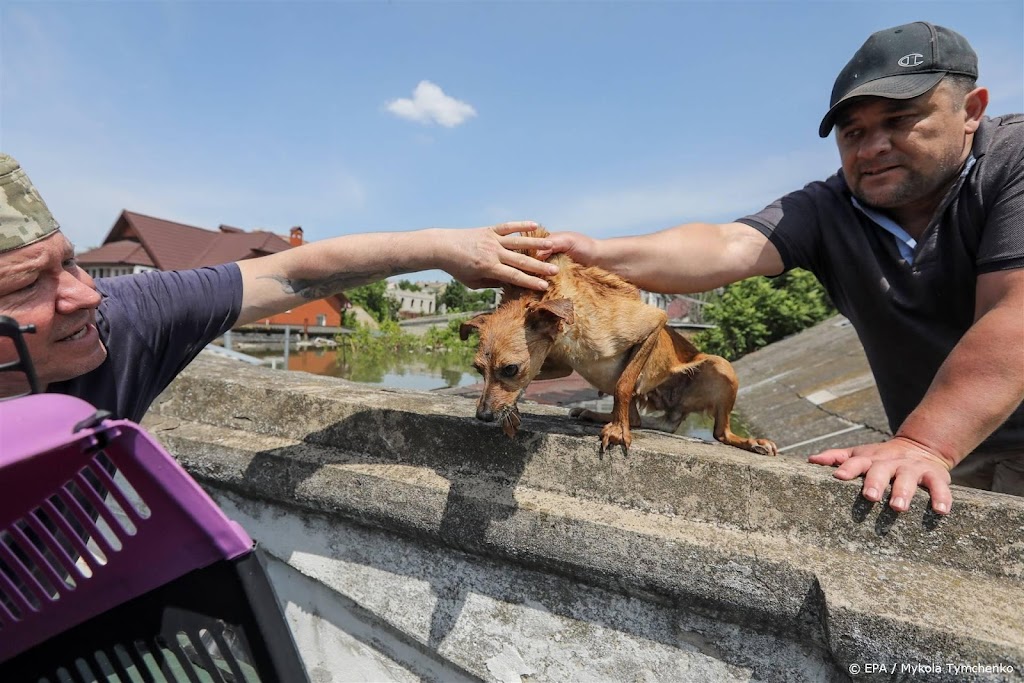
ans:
x=918 y=239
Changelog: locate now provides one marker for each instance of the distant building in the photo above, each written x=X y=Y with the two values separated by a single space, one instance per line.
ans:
x=656 y=299
x=138 y=243
x=413 y=303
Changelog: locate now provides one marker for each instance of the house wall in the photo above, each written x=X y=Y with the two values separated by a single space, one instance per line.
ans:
x=307 y=314
x=113 y=270
x=414 y=303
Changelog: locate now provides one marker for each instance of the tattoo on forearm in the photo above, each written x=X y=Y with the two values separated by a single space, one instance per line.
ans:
x=333 y=284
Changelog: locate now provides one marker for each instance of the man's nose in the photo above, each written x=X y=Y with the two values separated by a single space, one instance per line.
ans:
x=874 y=143
x=75 y=293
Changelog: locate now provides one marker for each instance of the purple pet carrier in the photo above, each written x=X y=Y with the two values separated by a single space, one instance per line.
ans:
x=114 y=561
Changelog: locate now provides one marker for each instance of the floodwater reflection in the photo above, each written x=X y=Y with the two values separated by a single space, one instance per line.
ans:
x=399 y=370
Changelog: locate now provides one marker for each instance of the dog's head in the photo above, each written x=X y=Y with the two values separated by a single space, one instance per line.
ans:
x=514 y=342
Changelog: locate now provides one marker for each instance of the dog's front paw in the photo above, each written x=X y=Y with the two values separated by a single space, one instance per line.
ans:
x=764 y=447
x=615 y=434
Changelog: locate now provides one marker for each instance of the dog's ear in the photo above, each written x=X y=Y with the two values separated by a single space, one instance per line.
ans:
x=472 y=325
x=560 y=308
x=547 y=316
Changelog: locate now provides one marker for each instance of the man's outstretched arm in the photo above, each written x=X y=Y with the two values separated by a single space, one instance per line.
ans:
x=695 y=257
x=477 y=257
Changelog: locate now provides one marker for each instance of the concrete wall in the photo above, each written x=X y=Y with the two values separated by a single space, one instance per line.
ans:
x=410 y=542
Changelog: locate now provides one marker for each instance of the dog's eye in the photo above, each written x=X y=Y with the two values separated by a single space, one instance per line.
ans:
x=509 y=371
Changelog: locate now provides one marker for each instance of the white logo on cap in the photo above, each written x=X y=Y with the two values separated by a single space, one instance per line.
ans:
x=913 y=59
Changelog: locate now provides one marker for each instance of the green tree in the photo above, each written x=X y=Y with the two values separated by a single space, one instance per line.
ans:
x=454 y=297
x=447 y=338
x=480 y=300
x=458 y=298
x=757 y=311
x=409 y=286
x=374 y=298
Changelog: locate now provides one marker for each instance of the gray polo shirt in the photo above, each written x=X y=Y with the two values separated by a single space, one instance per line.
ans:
x=909 y=314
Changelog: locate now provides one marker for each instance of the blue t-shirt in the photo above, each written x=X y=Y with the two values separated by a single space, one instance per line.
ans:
x=153 y=325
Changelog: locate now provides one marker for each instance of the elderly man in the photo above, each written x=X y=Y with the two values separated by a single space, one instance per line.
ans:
x=119 y=342
x=918 y=239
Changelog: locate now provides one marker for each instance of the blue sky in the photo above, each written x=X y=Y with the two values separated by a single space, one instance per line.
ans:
x=609 y=118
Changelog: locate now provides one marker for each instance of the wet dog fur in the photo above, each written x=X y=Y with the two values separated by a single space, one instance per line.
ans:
x=594 y=322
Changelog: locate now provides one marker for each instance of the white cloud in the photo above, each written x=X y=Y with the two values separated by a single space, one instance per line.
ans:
x=429 y=104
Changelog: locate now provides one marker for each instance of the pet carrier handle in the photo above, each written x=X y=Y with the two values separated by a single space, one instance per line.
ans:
x=9 y=327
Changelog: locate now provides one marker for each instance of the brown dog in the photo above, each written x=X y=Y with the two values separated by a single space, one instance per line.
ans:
x=594 y=322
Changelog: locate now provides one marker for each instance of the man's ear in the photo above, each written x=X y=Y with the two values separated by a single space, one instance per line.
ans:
x=472 y=325
x=974 y=108
x=547 y=317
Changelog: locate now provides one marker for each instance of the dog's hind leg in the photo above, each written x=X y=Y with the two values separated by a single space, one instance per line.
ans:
x=720 y=383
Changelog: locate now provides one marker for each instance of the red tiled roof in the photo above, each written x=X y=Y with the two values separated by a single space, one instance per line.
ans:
x=678 y=308
x=128 y=252
x=236 y=246
x=176 y=246
x=137 y=239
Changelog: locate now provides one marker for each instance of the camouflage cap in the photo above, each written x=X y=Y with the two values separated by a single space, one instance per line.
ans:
x=24 y=218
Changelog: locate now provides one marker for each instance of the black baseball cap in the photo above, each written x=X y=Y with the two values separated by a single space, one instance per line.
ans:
x=900 y=63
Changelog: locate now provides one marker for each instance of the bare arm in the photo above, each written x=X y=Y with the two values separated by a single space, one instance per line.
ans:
x=477 y=257
x=695 y=257
x=978 y=386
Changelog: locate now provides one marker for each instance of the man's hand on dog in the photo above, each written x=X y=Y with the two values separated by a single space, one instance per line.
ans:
x=906 y=463
x=486 y=257
x=579 y=247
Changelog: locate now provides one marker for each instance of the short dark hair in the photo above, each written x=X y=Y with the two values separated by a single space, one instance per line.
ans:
x=960 y=84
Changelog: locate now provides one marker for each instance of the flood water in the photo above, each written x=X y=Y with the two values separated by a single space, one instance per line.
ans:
x=420 y=371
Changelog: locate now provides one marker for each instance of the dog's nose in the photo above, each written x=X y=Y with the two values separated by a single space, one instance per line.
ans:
x=484 y=414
